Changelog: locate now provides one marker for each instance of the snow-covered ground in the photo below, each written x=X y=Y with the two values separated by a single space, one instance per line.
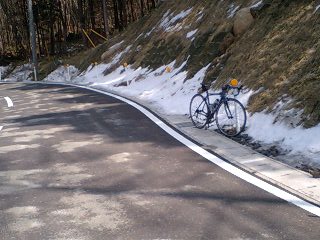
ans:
x=3 y=70
x=20 y=73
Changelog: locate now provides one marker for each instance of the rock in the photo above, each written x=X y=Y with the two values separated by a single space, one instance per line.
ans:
x=242 y=21
x=315 y=172
x=264 y=152
x=274 y=151
x=255 y=145
x=123 y=84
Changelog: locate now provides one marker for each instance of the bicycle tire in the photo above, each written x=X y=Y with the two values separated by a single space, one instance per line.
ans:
x=231 y=117
x=199 y=111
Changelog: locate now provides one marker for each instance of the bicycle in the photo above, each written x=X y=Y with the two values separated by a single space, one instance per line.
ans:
x=228 y=113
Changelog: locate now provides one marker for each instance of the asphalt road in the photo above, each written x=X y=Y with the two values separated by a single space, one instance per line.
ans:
x=75 y=164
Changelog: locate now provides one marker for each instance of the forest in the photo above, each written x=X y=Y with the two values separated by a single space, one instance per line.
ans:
x=60 y=24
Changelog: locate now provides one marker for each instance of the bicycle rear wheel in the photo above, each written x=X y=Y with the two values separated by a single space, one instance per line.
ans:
x=231 y=118
x=199 y=111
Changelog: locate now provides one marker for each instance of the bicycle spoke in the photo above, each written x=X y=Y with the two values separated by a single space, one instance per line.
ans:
x=231 y=118
x=198 y=111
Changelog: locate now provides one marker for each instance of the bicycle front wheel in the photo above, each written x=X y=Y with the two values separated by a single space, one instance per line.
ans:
x=231 y=117
x=199 y=111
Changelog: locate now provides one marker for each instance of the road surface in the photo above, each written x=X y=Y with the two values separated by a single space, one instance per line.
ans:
x=76 y=164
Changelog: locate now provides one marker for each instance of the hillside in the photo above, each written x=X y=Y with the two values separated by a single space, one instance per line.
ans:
x=271 y=46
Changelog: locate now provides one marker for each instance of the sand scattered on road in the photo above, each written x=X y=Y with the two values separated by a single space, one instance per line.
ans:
x=95 y=212
x=120 y=157
x=70 y=175
x=23 y=219
x=70 y=145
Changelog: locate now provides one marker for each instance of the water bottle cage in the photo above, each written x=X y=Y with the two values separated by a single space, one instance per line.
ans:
x=214 y=106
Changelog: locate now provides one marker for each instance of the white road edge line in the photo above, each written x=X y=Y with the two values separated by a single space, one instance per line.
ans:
x=212 y=158
x=9 y=101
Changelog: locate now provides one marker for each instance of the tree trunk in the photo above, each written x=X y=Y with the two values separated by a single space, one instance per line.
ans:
x=92 y=14
x=142 y=7
x=51 y=29
x=116 y=14
x=82 y=21
x=105 y=17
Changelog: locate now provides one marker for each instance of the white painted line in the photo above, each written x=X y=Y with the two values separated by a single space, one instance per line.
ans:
x=1 y=127
x=9 y=101
x=214 y=159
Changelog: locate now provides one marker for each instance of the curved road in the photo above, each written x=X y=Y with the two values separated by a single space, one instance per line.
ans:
x=75 y=164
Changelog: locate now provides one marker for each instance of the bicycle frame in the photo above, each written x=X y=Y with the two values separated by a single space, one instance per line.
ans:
x=222 y=99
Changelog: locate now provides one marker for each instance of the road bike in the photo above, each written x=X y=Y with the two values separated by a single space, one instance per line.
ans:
x=228 y=113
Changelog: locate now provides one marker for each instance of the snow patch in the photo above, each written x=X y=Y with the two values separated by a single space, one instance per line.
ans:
x=140 y=35
x=3 y=71
x=296 y=140
x=232 y=10
x=62 y=74
x=191 y=34
x=199 y=16
x=20 y=73
x=257 y=4
x=170 y=23
x=151 y=31
x=118 y=57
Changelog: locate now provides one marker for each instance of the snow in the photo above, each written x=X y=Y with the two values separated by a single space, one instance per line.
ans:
x=169 y=22
x=257 y=4
x=316 y=8
x=119 y=55
x=200 y=15
x=3 y=70
x=62 y=74
x=297 y=140
x=268 y=128
x=232 y=10
x=140 y=35
x=191 y=33
x=151 y=31
x=169 y=92
x=20 y=73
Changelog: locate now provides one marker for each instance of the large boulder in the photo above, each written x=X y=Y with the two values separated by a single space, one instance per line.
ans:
x=242 y=21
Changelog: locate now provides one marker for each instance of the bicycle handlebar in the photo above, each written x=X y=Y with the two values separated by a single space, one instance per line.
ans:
x=225 y=88
x=228 y=87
